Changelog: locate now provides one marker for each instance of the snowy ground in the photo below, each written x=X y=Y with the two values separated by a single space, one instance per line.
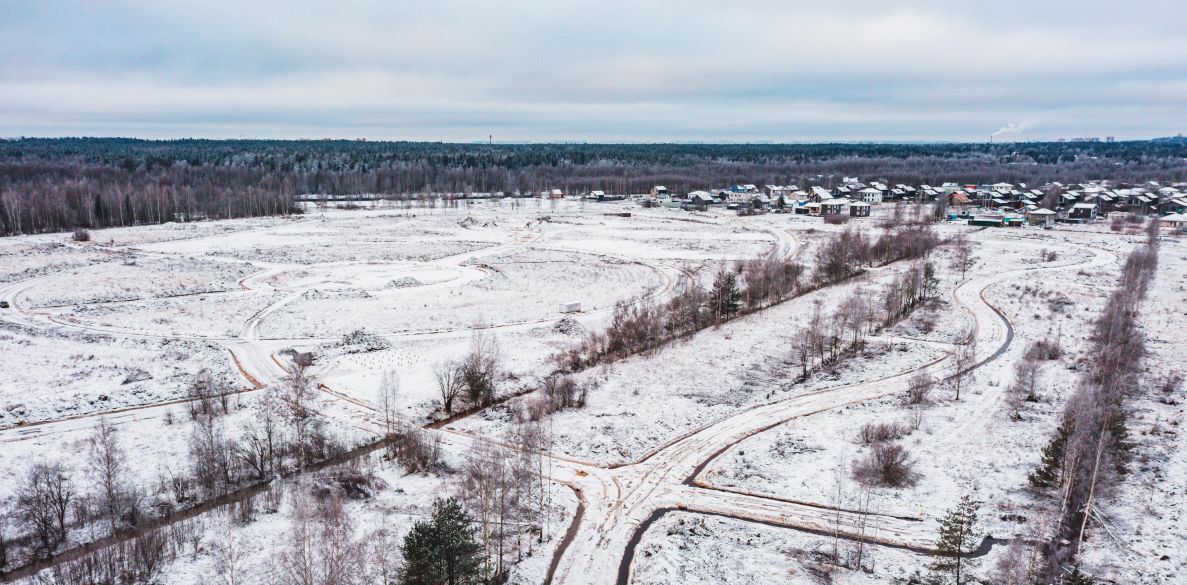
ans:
x=643 y=402
x=120 y=325
x=693 y=548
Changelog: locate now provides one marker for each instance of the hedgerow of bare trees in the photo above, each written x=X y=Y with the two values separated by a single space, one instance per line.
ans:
x=1091 y=446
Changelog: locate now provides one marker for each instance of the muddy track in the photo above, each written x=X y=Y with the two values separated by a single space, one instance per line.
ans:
x=570 y=533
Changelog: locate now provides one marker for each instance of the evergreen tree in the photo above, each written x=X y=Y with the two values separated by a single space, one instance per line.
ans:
x=726 y=297
x=1078 y=578
x=959 y=533
x=1052 y=459
x=442 y=551
x=1119 y=436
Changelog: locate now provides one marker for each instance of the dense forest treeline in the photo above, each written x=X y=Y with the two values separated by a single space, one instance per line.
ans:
x=62 y=183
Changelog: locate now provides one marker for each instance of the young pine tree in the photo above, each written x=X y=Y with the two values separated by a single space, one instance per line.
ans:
x=443 y=551
x=959 y=533
x=725 y=297
x=1052 y=460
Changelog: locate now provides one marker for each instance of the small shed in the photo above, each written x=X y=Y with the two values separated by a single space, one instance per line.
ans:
x=987 y=220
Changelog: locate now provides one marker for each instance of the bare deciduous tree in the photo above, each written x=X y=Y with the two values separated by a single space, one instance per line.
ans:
x=962 y=255
x=964 y=360
x=480 y=369
x=227 y=552
x=297 y=393
x=108 y=466
x=449 y=383
x=389 y=393
x=260 y=445
x=43 y=502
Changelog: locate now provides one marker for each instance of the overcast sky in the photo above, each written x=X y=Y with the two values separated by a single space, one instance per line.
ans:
x=605 y=70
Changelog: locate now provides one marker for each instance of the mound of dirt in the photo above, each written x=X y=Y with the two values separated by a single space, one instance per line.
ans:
x=568 y=326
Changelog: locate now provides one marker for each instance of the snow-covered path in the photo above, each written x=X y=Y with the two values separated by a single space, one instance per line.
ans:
x=619 y=503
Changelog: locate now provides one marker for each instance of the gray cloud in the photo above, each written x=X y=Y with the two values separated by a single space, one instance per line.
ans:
x=612 y=70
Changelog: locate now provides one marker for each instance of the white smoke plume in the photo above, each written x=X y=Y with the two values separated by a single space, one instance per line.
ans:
x=1012 y=128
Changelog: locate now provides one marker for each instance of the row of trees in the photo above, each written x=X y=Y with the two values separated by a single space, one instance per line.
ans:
x=46 y=196
x=641 y=327
x=749 y=286
x=105 y=496
x=826 y=338
x=1091 y=447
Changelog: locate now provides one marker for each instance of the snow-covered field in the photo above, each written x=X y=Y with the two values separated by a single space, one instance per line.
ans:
x=120 y=326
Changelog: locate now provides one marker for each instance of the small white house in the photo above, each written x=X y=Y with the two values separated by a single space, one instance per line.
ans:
x=738 y=197
x=1041 y=217
x=571 y=307
x=1174 y=220
x=871 y=195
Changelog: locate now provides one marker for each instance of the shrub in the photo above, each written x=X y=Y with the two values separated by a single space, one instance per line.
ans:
x=886 y=465
x=919 y=388
x=879 y=432
x=81 y=235
x=1045 y=350
x=563 y=392
x=413 y=449
x=354 y=484
x=836 y=219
